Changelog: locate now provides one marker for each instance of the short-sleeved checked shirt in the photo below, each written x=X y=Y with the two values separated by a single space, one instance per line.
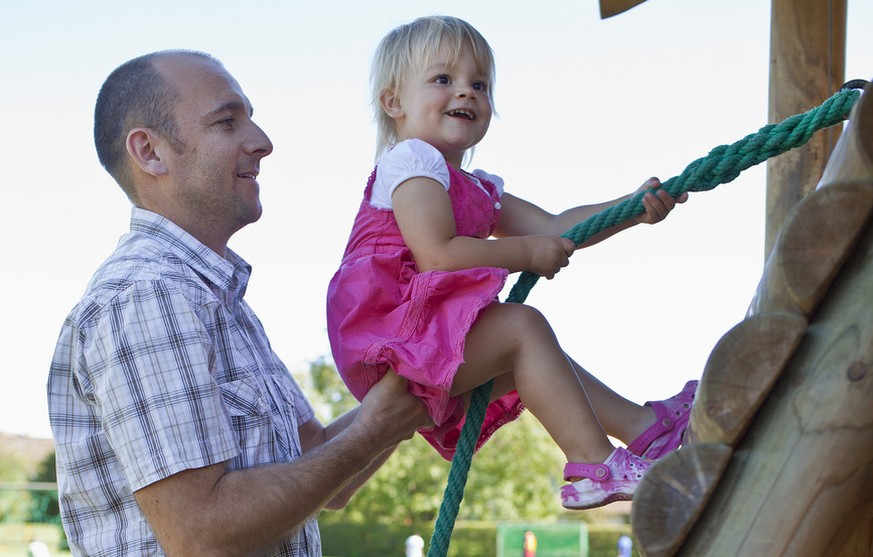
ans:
x=159 y=368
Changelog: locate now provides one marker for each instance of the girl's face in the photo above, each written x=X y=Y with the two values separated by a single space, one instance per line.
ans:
x=446 y=105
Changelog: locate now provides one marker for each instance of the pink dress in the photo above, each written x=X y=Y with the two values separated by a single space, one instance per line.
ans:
x=382 y=312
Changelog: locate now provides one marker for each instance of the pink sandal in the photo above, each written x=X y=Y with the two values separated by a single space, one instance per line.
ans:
x=671 y=420
x=614 y=480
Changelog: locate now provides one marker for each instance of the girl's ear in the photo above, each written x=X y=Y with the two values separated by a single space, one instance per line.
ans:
x=390 y=102
x=144 y=148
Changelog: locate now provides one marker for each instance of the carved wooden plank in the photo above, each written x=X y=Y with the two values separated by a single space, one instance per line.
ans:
x=740 y=372
x=805 y=467
x=852 y=159
x=798 y=483
x=672 y=494
x=817 y=237
x=609 y=8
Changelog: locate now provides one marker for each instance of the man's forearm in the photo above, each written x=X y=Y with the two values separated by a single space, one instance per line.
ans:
x=213 y=511
x=344 y=495
x=281 y=497
x=240 y=512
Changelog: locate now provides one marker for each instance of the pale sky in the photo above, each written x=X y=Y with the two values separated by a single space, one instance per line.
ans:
x=589 y=109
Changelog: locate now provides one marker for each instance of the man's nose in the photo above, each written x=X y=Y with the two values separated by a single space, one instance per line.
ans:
x=260 y=143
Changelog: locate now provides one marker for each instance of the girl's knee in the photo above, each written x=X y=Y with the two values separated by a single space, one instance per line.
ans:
x=512 y=325
x=530 y=317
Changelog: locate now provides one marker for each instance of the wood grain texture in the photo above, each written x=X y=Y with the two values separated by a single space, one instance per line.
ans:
x=739 y=374
x=795 y=477
x=672 y=495
x=807 y=66
x=818 y=235
x=805 y=468
x=852 y=158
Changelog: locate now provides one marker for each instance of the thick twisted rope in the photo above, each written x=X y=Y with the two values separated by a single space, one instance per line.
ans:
x=720 y=166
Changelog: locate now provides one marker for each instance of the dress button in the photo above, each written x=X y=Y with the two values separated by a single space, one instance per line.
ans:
x=497 y=205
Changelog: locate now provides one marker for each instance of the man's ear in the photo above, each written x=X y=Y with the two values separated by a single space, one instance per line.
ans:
x=143 y=146
x=390 y=102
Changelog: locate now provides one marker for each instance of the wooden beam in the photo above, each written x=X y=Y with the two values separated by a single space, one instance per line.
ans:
x=816 y=237
x=852 y=158
x=739 y=374
x=797 y=483
x=609 y=8
x=805 y=468
x=798 y=459
x=673 y=494
x=857 y=534
x=807 y=66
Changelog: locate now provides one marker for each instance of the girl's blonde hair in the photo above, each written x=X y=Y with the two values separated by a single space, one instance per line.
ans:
x=416 y=45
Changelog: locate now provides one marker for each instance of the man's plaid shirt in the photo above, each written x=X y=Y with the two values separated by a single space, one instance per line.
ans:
x=163 y=367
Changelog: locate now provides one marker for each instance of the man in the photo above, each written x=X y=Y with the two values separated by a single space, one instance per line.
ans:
x=178 y=430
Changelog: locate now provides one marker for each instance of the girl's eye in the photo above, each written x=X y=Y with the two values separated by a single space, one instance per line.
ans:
x=480 y=86
x=442 y=79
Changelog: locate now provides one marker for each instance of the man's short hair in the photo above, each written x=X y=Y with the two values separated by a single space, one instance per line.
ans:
x=135 y=95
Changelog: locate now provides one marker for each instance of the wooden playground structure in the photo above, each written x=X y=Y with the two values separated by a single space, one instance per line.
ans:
x=780 y=452
x=780 y=458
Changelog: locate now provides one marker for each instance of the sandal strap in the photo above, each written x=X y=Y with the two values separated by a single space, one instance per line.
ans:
x=669 y=413
x=663 y=423
x=596 y=472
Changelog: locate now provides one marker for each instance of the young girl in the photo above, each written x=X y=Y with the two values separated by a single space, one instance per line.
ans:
x=430 y=250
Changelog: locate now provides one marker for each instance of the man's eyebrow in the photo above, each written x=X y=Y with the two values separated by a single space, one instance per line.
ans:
x=231 y=106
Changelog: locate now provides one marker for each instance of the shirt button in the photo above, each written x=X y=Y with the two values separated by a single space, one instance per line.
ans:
x=497 y=205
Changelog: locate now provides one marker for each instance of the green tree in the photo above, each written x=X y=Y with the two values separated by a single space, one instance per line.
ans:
x=326 y=391
x=44 y=504
x=14 y=503
x=515 y=476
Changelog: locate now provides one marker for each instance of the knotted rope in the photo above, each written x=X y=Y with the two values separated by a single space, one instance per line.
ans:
x=720 y=166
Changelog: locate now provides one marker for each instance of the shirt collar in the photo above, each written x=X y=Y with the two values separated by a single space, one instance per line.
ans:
x=228 y=273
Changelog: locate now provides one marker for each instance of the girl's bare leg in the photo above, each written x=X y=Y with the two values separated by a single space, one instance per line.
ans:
x=620 y=418
x=514 y=344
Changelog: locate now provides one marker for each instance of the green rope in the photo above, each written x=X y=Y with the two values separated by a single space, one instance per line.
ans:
x=720 y=166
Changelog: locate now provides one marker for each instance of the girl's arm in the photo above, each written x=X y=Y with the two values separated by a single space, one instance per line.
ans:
x=424 y=214
x=521 y=217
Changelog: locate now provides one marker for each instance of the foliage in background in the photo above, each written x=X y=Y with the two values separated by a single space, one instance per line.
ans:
x=14 y=504
x=516 y=475
x=44 y=504
x=326 y=391
x=469 y=539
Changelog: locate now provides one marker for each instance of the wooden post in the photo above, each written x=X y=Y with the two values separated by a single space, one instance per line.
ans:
x=807 y=66
x=802 y=475
x=797 y=483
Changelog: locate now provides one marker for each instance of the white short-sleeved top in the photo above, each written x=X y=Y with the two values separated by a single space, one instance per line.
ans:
x=414 y=158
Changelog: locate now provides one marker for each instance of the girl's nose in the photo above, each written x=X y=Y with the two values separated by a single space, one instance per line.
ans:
x=465 y=91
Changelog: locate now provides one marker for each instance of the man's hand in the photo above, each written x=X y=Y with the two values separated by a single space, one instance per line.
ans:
x=391 y=411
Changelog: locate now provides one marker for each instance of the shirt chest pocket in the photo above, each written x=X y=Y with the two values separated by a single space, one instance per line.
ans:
x=251 y=420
